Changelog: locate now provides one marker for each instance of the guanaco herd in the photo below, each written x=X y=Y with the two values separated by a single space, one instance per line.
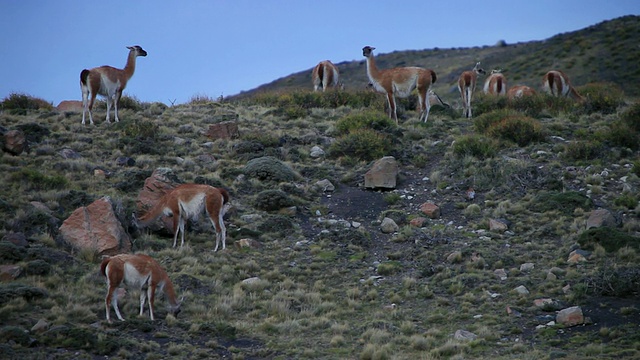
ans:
x=188 y=201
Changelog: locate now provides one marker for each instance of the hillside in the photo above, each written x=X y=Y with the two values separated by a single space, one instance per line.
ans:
x=605 y=52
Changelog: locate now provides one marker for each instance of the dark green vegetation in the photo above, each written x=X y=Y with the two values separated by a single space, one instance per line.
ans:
x=322 y=289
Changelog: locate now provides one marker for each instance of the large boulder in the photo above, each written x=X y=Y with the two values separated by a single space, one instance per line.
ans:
x=383 y=174
x=223 y=130
x=96 y=227
x=15 y=142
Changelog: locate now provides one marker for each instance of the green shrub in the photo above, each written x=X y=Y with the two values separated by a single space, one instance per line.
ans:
x=37 y=267
x=629 y=201
x=19 y=104
x=636 y=168
x=34 y=132
x=11 y=252
x=358 y=237
x=631 y=117
x=478 y=146
x=611 y=239
x=558 y=105
x=277 y=224
x=39 y=181
x=138 y=129
x=270 y=200
x=583 y=150
x=620 y=134
x=130 y=102
x=565 y=202
x=364 y=144
x=483 y=122
x=519 y=129
x=365 y=120
x=529 y=105
x=270 y=169
x=602 y=97
x=15 y=290
x=483 y=104
x=15 y=334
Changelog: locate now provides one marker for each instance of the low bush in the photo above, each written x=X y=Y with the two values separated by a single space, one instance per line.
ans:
x=478 y=146
x=19 y=104
x=365 y=120
x=519 y=129
x=483 y=122
x=582 y=150
x=528 y=105
x=363 y=144
x=602 y=98
x=565 y=202
x=611 y=239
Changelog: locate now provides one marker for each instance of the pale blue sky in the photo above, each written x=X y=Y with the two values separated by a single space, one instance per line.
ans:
x=217 y=48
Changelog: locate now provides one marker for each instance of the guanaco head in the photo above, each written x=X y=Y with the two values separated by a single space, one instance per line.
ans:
x=496 y=71
x=478 y=69
x=367 y=51
x=175 y=310
x=138 y=50
x=432 y=94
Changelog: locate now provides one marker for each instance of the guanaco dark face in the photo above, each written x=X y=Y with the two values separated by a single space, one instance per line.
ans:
x=139 y=51
x=367 y=50
x=478 y=69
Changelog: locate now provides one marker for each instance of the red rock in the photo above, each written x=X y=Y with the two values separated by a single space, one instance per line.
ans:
x=223 y=130
x=159 y=183
x=431 y=210
x=95 y=227
x=70 y=106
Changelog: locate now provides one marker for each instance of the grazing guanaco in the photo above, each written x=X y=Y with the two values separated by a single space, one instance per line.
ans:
x=138 y=271
x=496 y=83
x=519 y=91
x=557 y=83
x=188 y=201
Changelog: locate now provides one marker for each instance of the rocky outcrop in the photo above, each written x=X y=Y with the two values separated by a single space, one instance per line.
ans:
x=223 y=130
x=15 y=142
x=96 y=227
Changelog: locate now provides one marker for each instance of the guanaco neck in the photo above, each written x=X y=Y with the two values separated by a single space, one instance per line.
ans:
x=131 y=65
x=372 y=69
x=171 y=293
